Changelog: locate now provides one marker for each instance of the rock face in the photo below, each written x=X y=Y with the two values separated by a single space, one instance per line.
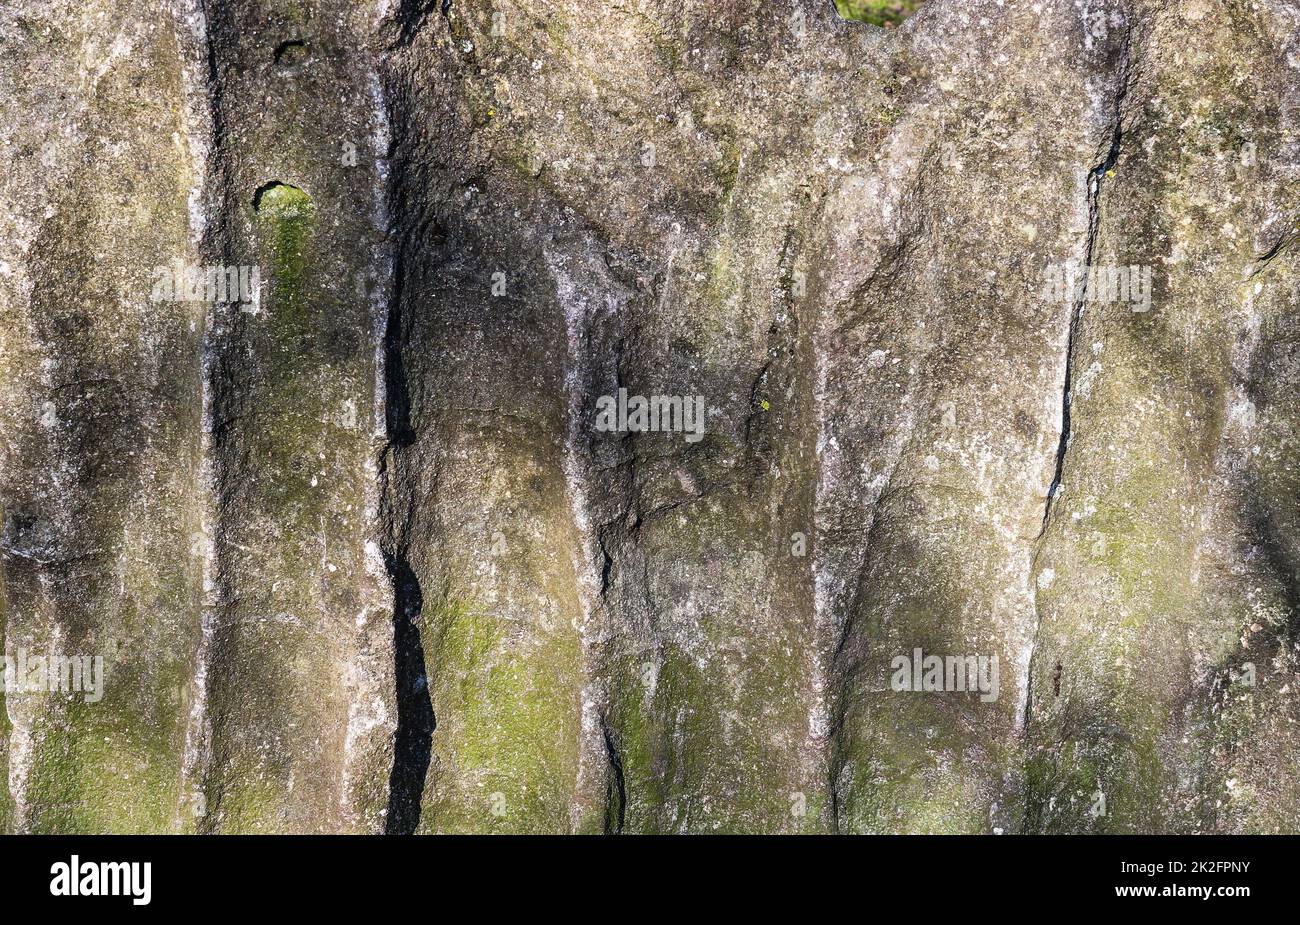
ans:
x=324 y=333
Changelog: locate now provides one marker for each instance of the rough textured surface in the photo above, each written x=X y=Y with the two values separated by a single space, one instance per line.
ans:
x=359 y=558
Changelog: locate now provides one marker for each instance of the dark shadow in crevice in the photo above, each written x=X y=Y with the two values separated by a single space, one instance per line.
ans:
x=616 y=798
x=413 y=746
x=267 y=187
x=411 y=16
x=397 y=411
x=290 y=53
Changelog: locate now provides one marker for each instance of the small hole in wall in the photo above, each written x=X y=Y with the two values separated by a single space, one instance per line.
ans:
x=281 y=199
x=886 y=13
x=291 y=53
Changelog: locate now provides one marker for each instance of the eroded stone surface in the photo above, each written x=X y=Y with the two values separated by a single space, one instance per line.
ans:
x=359 y=557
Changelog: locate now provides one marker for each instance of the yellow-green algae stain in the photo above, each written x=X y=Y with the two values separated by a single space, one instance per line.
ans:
x=505 y=747
x=887 y=13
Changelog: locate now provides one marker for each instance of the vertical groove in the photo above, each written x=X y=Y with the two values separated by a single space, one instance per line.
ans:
x=200 y=102
x=412 y=745
x=416 y=722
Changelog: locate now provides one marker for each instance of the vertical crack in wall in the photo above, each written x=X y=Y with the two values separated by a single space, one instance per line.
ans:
x=416 y=722
x=413 y=740
x=616 y=799
x=412 y=747
x=1095 y=180
x=412 y=744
